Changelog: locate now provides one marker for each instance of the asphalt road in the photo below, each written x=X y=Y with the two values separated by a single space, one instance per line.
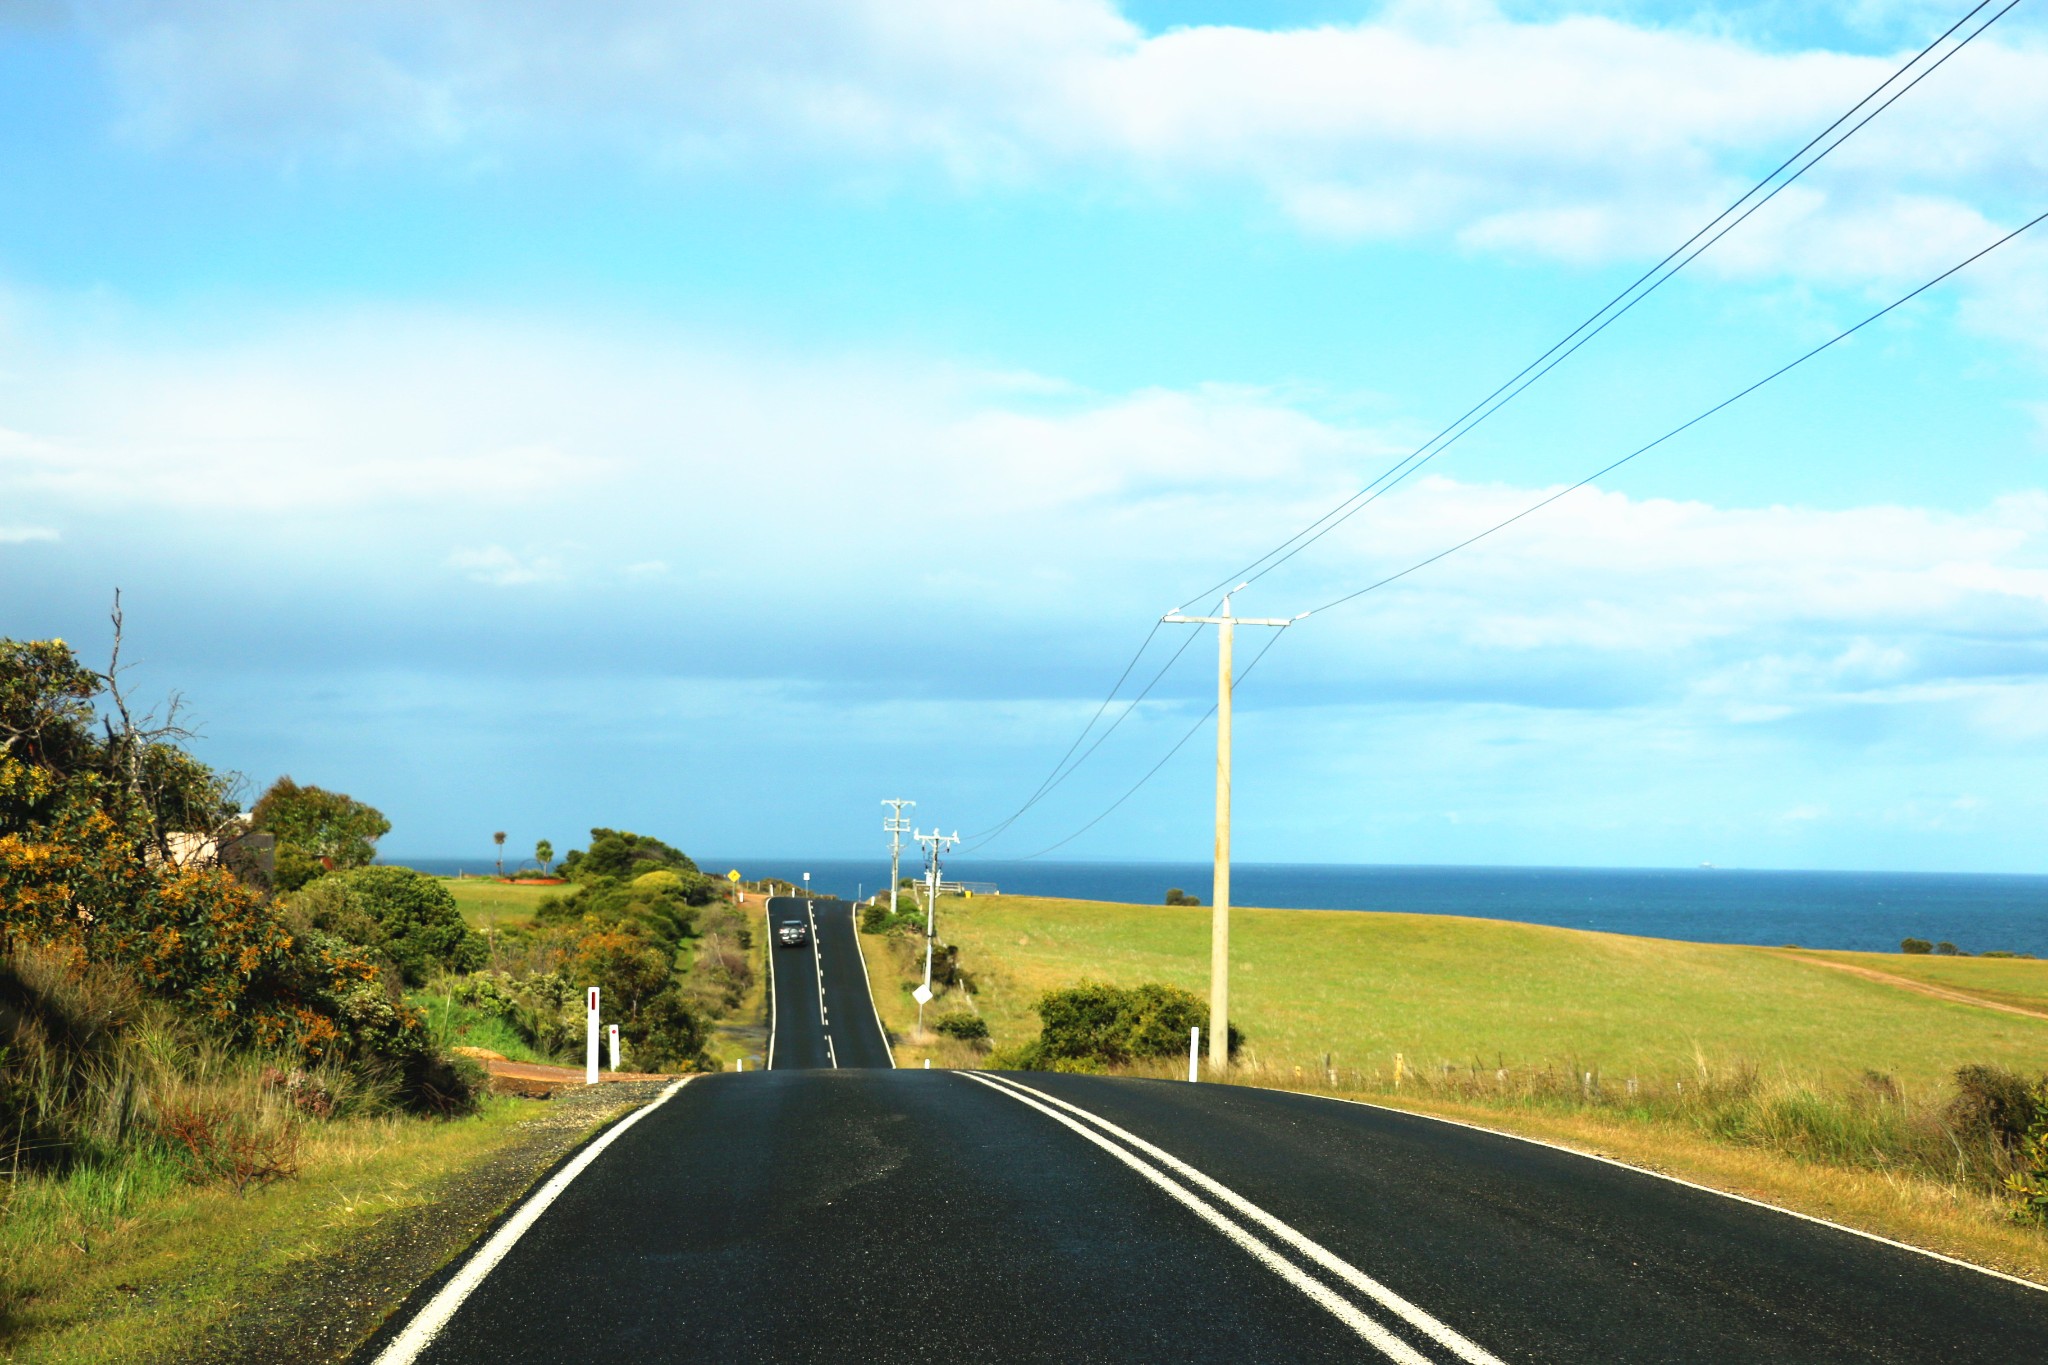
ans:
x=821 y=1013
x=862 y=1213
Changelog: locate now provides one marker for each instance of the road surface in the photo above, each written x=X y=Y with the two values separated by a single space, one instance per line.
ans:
x=821 y=1015
x=814 y=1213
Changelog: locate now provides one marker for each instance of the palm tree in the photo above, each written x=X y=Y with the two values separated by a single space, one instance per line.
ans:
x=499 y=840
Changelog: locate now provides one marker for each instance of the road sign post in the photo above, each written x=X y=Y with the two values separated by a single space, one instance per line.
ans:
x=590 y=1039
x=612 y=1036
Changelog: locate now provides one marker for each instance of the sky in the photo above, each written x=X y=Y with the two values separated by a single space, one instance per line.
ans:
x=712 y=419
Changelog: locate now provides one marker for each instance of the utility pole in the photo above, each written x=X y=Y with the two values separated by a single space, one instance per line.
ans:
x=935 y=844
x=895 y=826
x=1219 y=920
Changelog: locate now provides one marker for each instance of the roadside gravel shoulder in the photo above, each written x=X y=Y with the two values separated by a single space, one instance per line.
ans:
x=325 y=1310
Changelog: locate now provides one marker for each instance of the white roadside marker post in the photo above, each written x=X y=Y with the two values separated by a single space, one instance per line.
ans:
x=612 y=1036
x=590 y=1040
x=1194 y=1051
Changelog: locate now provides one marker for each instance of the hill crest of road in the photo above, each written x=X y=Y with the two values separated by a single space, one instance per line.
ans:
x=821 y=1013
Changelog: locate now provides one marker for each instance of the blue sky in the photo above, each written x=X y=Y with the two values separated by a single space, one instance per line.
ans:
x=713 y=419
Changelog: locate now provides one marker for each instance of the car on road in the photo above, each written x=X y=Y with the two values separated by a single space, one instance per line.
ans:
x=792 y=932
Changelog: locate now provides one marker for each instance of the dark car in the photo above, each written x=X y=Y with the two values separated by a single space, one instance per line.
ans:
x=791 y=932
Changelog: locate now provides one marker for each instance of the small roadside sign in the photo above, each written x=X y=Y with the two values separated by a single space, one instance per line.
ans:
x=733 y=876
x=922 y=995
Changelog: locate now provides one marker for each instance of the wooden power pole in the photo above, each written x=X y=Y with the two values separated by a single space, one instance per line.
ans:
x=1219 y=921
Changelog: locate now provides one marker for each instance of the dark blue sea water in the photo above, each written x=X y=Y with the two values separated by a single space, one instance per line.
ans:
x=1865 y=910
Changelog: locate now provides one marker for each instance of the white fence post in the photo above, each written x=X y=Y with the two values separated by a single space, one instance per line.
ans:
x=1194 y=1050
x=590 y=1040
x=612 y=1036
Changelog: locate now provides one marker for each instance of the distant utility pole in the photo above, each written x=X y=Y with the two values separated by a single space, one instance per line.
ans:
x=935 y=844
x=1219 y=921
x=895 y=826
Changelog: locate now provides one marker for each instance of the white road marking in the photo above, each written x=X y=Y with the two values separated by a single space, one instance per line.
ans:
x=1338 y=1307
x=1691 y=1185
x=818 y=963
x=832 y=1052
x=880 y=1031
x=768 y=932
x=428 y=1322
x=1462 y=1347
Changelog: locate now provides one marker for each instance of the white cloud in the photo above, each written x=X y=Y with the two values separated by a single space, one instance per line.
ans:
x=418 y=449
x=1582 y=137
x=501 y=568
x=24 y=535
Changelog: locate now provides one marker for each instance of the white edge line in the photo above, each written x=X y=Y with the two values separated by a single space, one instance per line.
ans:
x=428 y=1322
x=1339 y=1307
x=1421 y=1320
x=1677 y=1180
x=880 y=1028
x=768 y=942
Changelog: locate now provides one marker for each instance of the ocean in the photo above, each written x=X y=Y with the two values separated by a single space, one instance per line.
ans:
x=1871 y=911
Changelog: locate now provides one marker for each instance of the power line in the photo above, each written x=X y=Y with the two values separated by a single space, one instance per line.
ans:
x=1787 y=368
x=1561 y=350
x=1729 y=401
x=1178 y=744
x=1607 y=314
x=1045 y=788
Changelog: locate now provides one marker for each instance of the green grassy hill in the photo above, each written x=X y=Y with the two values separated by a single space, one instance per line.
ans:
x=1442 y=989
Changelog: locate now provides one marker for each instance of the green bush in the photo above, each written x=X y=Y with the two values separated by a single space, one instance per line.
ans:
x=1915 y=946
x=1094 y=1026
x=623 y=855
x=968 y=1028
x=2030 y=1182
x=1176 y=896
x=419 y=927
x=1991 y=1104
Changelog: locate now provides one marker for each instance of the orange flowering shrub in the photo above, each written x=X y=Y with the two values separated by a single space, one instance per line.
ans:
x=76 y=879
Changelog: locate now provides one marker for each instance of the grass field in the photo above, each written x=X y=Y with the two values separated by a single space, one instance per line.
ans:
x=2011 y=981
x=486 y=902
x=143 y=1273
x=1470 y=992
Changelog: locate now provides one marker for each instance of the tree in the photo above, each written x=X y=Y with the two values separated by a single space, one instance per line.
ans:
x=419 y=927
x=88 y=792
x=317 y=831
x=499 y=840
x=544 y=854
x=623 y=854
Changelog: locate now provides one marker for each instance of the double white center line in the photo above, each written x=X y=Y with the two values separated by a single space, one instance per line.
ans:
x=1161 y=1168
x=818 y=963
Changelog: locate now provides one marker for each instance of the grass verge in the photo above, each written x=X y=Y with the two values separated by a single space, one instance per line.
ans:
x=152 y=1270
x=301 y=1270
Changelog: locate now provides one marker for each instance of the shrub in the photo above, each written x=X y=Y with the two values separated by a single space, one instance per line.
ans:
x=1947 y=949
x=1093 y=1026
x=2030 y=1182
x=623 y=854
x=968 y=1028
x=420 y=928
x=1915 y=945
x=1176 y=896
x=666 y=1035
x=1991 y=1104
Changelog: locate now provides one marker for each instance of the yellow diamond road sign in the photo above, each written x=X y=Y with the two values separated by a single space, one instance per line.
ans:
x=733 y=875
